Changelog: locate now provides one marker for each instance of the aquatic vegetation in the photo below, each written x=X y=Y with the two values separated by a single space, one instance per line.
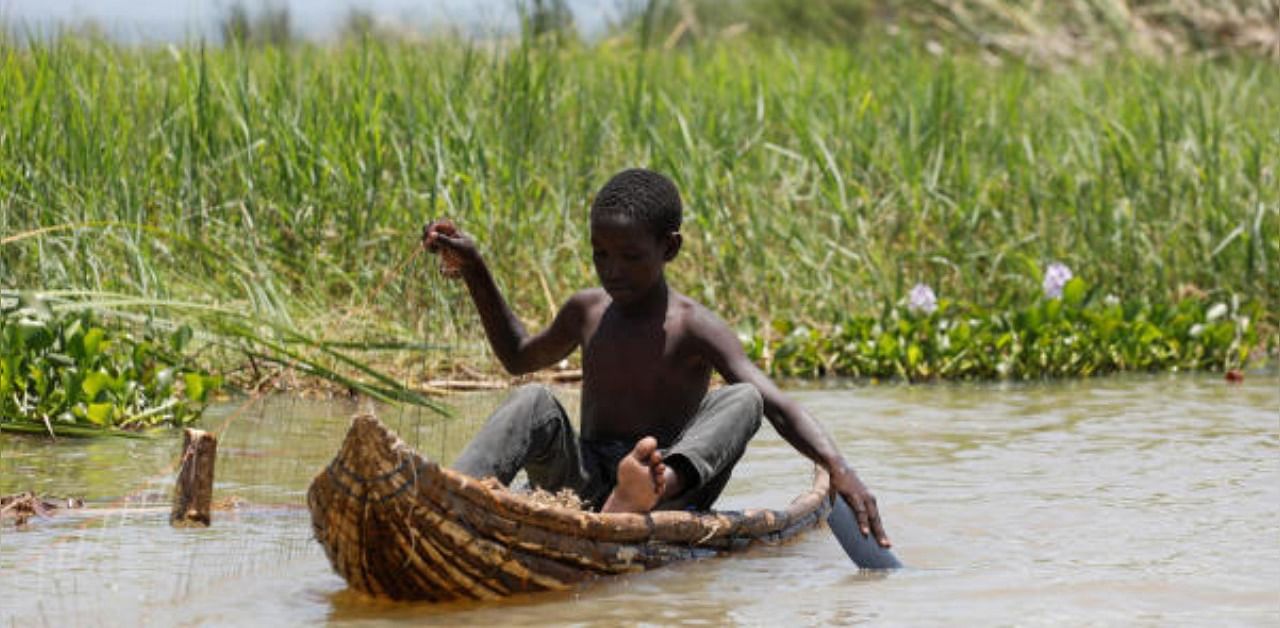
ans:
x=1076 y=335
x=68 y=374
x=922 y=299
x=1056 y=277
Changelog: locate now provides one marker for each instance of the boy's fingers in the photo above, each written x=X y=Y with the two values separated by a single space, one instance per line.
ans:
x=437 y=242
x=881 y=536
x=877 y=526
x=860 y=509
x=441 y=226
x=435 y=237
x=440 y=230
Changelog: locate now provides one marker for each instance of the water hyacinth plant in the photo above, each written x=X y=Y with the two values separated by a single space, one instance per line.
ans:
x=922 y=299
x=67 y=374
x=1072 y=335
x=1055 y=279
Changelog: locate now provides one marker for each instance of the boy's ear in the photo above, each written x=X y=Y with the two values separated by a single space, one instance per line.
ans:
x=671 y=246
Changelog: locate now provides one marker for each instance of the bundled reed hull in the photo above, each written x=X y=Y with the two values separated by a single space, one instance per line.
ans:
x=396 y=525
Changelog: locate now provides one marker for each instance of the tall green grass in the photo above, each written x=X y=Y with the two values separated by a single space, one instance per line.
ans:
x=819 y=180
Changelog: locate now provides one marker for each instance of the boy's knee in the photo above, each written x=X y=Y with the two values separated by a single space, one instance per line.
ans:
x=533 y=393
x=745 y=393
x=749 y=398
x=538 y=400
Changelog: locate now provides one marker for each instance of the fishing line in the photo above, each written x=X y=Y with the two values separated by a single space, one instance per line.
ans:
x=259 y=393
x=396 y=273
x=386 y=279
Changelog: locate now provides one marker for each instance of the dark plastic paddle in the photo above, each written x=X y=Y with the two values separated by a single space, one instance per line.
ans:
x=863 y=550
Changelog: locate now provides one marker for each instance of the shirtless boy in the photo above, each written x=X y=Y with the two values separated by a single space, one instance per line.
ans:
x=653 y=435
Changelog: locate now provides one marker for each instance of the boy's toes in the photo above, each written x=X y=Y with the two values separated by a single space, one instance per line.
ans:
x=645 y=450
x=638 y=487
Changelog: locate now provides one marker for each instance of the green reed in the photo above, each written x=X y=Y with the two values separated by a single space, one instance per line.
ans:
x=820 y=181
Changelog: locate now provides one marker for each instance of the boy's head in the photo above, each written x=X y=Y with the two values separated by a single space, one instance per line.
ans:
x=642 y=196
x=635 y=231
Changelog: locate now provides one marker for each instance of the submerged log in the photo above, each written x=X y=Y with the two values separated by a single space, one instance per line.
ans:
x=193 y=492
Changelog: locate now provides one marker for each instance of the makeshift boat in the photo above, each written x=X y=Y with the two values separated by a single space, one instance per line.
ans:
x=396 y=525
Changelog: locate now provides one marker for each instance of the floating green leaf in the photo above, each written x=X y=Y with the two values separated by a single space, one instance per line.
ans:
x=94 y=383
x=99 y=413
x=197 y=386
x=93 y=342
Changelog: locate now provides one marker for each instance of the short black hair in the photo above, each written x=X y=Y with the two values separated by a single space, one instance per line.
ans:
x=641 y=195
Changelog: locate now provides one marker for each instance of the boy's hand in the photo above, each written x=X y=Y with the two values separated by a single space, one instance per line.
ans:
x=847 y=485
x=457 y=250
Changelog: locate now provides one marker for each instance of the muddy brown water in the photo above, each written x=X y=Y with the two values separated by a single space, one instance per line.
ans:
x=1150 y=500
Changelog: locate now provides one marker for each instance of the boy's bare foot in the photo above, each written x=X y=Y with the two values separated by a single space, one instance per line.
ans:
x=641 y=479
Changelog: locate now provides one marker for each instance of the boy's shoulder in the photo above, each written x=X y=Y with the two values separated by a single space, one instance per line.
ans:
x=695 y=318
x=701 y=329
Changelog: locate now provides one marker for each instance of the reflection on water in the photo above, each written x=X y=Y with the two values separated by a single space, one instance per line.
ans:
x=1154 y=499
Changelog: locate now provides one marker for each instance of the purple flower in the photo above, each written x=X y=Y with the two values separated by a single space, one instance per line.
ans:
x=1055 y=278
x=922 y=299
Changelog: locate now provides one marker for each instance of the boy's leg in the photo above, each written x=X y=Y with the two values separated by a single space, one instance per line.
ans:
x=714 y=441
x=529 y=430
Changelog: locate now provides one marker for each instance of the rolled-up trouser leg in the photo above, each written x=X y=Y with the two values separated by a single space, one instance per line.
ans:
x=530 y=430
x=714 y=441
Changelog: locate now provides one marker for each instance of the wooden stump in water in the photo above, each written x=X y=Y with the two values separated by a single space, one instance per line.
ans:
x=193 y=492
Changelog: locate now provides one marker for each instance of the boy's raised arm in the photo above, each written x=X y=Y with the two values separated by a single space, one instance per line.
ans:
x=792 y=422
x=516 y=349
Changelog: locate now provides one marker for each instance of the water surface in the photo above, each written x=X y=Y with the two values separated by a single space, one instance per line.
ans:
x=1152 y=500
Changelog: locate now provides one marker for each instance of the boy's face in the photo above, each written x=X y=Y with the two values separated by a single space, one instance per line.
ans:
x=628 y=258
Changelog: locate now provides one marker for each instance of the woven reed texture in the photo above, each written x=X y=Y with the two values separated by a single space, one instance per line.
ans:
x=398 y=526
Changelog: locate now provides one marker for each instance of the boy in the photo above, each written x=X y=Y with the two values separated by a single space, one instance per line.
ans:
x=652 y=434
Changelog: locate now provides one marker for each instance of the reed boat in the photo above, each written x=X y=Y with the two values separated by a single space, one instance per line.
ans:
x=398 y=526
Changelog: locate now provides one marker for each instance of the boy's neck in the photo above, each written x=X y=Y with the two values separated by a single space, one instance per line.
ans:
x=652 y=301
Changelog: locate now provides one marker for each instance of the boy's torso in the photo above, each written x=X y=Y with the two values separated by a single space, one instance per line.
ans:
x=643 y=372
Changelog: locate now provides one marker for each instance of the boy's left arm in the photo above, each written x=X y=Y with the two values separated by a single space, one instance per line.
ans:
x=792 y=422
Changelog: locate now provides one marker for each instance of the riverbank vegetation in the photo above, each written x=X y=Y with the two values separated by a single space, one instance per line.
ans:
x=823 y=180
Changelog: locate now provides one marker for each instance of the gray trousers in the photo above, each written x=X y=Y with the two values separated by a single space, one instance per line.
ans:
x=531 y=430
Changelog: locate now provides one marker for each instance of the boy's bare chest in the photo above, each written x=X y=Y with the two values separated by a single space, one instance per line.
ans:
x=639 y=354
x=641 y=379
